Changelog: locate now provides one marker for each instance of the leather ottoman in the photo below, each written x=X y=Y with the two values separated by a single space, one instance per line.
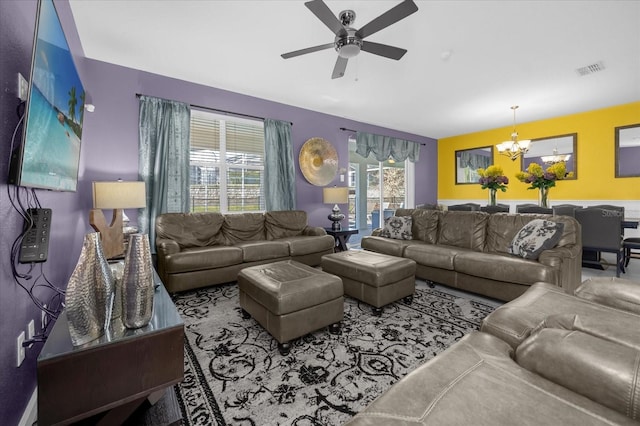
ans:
x=290 y=299
x=374 y=278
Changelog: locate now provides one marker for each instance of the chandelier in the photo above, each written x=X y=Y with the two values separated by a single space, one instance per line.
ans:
x=555 y=158
x=513 y=148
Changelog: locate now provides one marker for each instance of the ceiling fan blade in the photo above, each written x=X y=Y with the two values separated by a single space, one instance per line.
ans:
x=340 y=67
x=323 y=13
x=391 y=16
x=385 y=50
x=307 y=50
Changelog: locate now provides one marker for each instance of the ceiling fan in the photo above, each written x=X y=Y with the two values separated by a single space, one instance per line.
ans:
x=349 y=41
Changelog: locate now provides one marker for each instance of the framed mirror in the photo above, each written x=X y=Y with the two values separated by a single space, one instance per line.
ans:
x=553 y=149
x=628 y=151
x=468 y=161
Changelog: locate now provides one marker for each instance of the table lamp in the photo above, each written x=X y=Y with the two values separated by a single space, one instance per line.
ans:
x=117 y=195
x=335 y=196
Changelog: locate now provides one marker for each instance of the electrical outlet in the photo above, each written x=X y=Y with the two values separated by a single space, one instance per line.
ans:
x=23 y=87
x=31 y=331
x=20 y=353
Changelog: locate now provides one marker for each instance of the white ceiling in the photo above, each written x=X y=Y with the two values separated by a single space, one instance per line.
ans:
x=502 y=53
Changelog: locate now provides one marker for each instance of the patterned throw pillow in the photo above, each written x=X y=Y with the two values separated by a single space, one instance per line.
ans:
x=397 y=227
x=535 y=237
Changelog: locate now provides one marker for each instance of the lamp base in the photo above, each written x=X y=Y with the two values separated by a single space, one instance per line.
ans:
x=110 y=235
x=336 y=217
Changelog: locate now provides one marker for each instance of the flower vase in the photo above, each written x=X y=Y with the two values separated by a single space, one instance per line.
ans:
x=89 y=294
x=492 y=196
x=137 y=283
x=543 y=197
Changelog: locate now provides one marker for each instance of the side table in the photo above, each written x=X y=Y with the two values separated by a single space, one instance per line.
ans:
x=342 y=237
x=112 y=375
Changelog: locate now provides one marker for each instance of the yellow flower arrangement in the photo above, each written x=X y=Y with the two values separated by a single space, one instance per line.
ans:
x=493 y=178
x=538 y=177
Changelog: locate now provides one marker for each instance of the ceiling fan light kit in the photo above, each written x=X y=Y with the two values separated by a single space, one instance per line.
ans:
x=349 y=41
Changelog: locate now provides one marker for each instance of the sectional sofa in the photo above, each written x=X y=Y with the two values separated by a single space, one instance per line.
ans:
x=545 y=358
x=202 y=249
x=470 y=251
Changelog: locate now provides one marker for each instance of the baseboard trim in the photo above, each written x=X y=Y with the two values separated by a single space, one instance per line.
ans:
x=30 y=415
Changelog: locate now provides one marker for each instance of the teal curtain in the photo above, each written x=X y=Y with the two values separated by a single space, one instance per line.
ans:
x=279 y=168
x=163 y=159
x=384 y=147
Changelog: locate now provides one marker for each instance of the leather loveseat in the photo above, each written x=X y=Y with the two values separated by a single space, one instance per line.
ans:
x=201 y=249
x=545 y=358
x=469 y=250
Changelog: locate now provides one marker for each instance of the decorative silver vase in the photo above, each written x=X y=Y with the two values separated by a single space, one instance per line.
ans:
x=89 y=294
x=137 y=283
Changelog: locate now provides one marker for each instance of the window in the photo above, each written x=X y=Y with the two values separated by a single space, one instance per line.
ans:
x=226 y=164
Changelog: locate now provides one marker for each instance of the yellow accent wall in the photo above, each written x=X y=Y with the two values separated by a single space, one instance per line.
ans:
x=595 y=157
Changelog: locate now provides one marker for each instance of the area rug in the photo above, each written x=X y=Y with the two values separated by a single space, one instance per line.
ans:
x=234 y=374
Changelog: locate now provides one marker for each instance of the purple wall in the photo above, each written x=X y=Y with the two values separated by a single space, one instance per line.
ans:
x=109 y=151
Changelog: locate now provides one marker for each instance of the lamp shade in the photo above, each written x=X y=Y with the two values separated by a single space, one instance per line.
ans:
x=335 y=195
x=119 y=195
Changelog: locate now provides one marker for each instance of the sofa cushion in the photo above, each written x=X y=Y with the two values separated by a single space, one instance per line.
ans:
x=603 y=371
x=303 y=245
x=535 y=237
x=190 y=229
x=618 y=293
x=204 y=258
x=385 y=245
x=504 y=268
x=255 y=251
x=435 y=256
x=516 y=320
x=425 y=225
x=243 y=227
x=281 y=224
x=463 y=229
x=476 y=382
x=397 y=228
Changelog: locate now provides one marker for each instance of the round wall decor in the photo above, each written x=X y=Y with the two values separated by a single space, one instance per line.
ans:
x=318 y=161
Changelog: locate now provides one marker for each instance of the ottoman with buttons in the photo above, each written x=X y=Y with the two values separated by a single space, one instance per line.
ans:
x=373 y=278
x=290 y=299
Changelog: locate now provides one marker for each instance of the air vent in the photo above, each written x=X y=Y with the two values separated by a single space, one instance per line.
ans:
x=590 y=69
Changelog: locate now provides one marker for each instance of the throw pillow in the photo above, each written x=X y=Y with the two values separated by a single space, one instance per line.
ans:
x=535 y=237
x=397 y=227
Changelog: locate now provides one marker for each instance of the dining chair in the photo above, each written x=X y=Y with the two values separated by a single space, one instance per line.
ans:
x=629 y=244
x=601 y=232
x=533 y=208
x=467 y=207
x=500 y=208
x=565 y=209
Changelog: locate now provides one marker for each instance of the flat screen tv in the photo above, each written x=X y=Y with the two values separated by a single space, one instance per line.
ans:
x=49 y=152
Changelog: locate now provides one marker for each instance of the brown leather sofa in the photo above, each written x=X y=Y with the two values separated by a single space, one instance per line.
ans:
x=469 y=250
x=566 y=360
x=201 y=249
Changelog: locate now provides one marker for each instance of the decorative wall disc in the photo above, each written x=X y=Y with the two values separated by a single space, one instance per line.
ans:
x=318 y=161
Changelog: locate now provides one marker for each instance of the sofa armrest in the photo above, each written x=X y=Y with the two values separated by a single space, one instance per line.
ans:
x=619 y=293
x=603 y=371
x=313 y=231
x=376 y=232
x=165 y=246
x=568 y=260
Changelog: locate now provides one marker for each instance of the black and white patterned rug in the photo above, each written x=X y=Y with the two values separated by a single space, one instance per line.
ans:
x=234 y=373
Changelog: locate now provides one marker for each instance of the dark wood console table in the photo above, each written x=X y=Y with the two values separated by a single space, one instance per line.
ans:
x=110 y=377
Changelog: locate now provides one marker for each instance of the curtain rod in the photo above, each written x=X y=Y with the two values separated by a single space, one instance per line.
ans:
x=344 y=129
x=239 y=114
